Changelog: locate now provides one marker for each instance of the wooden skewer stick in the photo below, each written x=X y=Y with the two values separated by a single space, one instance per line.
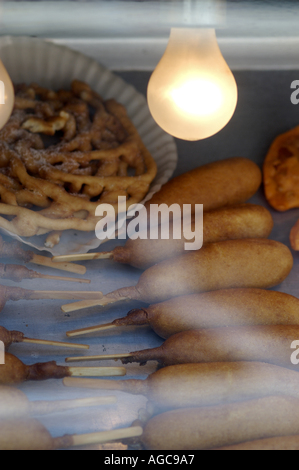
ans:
x=70 y=267
x=62 y=278
x=54 y=343
x=38 y=408
x=13 y=249
x=91 y=329
x=17 y=293
x=56 y=294
x=91 y=303
x=31 y=434
x=96 y=371
x=95 y=384
x=82 y=257
x=85 y=256
x=97 y=358
x=14 y=371
x=106 y=436
x=15 y=404
x=8 y=337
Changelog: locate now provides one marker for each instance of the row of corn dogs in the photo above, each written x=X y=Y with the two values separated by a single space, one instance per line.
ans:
x=225 y=373
x=200 y=364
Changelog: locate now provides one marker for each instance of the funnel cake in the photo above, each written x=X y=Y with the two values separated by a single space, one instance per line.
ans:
x=62 y=153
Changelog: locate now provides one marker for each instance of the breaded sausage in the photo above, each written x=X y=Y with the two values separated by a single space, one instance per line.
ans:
x=264 y=343
x=219 y=308
x=254 y=263
x=216 y=184
x=203 y=384
x=226 y=223
x=232 y=263
x=215 y=426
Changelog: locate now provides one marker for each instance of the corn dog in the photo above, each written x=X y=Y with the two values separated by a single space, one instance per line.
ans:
x=230 y=222
x=258 y=263
x=212 y=427
x=231 y=263
x=263 y=343
x=186 y=385
x=214 y=309
x=217 y=184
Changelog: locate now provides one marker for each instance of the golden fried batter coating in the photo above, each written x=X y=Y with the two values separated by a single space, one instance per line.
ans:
x=281 y=171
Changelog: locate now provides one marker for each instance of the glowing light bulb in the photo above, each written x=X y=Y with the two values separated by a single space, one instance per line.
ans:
x=192 y=93
x=7 y=96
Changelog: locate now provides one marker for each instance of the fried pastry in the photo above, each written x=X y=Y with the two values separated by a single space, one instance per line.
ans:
x=281 y=171
x=96 y=156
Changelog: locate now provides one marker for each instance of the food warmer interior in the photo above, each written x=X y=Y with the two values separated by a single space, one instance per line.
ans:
x=107 y=52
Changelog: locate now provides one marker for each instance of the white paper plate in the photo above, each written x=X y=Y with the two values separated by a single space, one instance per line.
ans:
x=31 y=59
